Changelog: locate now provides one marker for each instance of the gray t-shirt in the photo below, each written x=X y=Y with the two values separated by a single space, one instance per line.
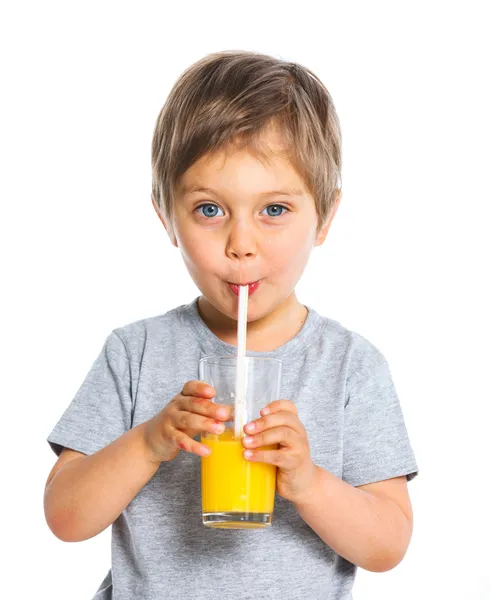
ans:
x=342 y=387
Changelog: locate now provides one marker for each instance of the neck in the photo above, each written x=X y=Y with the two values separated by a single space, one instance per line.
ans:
x=263 y=335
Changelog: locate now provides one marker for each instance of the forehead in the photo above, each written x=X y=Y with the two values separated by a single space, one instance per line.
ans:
x=261 y=164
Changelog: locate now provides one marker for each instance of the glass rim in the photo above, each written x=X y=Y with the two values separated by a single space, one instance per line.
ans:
x=215 y=359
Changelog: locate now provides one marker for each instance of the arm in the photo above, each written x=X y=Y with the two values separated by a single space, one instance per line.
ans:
x=85 y=494
x=370 y=525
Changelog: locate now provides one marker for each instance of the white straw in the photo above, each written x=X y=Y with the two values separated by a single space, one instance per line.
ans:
x=241 y=380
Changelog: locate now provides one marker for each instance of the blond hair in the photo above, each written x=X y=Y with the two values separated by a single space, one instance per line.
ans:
x=232 y=97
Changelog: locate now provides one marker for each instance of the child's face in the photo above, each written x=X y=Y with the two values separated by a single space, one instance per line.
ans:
x=228 y=230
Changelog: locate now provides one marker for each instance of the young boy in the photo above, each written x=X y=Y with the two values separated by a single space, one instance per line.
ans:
x=246 y=169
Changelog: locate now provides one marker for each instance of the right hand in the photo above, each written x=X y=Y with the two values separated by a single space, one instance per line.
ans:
x=187 y=414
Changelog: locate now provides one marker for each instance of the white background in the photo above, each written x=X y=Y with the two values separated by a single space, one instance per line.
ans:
x=405 y=263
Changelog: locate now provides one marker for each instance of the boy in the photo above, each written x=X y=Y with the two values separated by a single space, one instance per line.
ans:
x=246 y=161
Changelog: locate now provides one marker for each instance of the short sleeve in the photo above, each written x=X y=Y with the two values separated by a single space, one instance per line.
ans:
x=376 y=445
x=101 y=410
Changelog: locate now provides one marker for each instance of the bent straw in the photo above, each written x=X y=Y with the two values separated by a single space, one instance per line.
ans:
x=240 y=381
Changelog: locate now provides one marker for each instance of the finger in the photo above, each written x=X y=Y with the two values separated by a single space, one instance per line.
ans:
x=198 y=388
x=279 y=458
x=275 y=420
x=184 y=442
x=204 y=407
x=278 y=405
x=185 y=420
x=278 y=435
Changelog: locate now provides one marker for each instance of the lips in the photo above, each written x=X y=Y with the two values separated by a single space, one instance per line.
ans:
x=251 y=287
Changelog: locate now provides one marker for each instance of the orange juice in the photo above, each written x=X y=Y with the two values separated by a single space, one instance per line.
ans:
x=236 y=493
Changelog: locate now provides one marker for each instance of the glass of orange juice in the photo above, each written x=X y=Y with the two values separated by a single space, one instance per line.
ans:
x=236 y=493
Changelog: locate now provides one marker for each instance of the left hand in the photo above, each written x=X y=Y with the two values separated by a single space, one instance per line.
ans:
x=280 y=425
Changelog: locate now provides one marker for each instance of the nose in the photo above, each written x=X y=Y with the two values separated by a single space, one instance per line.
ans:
x=241 y=242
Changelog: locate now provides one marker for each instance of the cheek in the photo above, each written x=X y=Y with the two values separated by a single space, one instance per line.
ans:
x=289 y=253
x=199 y=254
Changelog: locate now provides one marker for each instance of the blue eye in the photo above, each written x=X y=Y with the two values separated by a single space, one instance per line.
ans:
x=275 y=207
x=208 y=210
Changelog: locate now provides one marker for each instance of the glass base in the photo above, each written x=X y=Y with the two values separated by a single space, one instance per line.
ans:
x=237 y=520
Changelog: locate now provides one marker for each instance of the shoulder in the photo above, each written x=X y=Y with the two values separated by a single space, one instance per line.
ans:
x=357 y=353
x=137 y=335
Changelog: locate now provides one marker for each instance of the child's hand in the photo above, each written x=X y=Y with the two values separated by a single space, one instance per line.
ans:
x=280 y=425
x=186 y=415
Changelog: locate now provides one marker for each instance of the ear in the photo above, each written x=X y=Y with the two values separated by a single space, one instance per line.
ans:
x=170 y=232
x=322 y=234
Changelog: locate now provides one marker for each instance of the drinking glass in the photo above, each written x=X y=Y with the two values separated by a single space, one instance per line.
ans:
x=236 y=493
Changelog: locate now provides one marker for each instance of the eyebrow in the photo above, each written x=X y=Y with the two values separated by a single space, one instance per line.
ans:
x=284 y=192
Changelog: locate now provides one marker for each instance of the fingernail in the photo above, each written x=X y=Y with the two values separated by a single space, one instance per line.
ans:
x=222 y=412
x=248 y=454
x=265 y=411
x=247 y=440
x=250 y=427
x=218 y=427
